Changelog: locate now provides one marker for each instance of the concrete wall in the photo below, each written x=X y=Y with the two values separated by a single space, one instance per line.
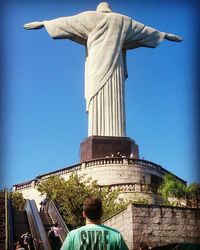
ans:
x=157 y=225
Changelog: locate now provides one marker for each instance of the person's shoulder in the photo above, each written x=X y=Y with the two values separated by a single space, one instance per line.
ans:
x=104 y=227
x=74 y=231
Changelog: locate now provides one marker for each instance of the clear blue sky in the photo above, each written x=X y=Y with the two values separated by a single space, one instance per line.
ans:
x=43 y=115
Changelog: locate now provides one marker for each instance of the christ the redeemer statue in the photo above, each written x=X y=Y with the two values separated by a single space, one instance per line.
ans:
x=106 y=36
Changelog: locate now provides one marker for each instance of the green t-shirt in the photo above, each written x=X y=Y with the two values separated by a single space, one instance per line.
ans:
x=94 y=237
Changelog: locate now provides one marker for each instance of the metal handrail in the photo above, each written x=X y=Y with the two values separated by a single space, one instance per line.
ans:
x=56 y=217
x=36 y=226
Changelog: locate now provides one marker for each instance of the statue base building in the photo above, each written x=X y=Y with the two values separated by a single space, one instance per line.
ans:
x=100 y=161
x=94 y=147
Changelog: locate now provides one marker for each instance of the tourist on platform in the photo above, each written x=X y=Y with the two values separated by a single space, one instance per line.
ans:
x=131 y=155
x=119 y=154
x=94 y=235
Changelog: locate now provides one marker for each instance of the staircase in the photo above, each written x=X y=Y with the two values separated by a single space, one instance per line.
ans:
x=38 y=224
x=20 y=224
x=46 y=221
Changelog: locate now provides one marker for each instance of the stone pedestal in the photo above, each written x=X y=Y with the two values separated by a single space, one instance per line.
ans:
x=94 y=147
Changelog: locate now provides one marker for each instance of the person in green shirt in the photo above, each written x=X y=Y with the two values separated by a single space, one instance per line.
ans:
x=94 y=235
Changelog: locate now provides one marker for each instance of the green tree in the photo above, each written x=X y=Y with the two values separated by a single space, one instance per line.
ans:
x=171 y=187
x=2 y=194
x=142 y=201
x=174 y=188
x=18 y=200
x=193 y=195
x=70 y=195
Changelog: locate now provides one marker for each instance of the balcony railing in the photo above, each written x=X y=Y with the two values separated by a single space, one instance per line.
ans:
x=109 y=161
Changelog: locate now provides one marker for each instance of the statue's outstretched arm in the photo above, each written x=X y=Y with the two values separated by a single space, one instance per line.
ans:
x=173 y=38
x=33 y=25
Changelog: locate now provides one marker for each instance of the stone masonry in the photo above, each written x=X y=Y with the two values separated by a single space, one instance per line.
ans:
x=157 y=225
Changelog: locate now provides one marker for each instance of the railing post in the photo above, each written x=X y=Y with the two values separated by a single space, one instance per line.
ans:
x=125 y=161
x=83 y=165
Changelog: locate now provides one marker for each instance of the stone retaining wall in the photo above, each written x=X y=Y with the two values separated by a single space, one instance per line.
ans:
x=157 y=225
x=123 y=223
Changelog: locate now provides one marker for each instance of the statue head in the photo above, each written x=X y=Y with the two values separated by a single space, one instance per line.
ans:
x=104 y=7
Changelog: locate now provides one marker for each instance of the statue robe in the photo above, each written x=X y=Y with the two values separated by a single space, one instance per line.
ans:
x=106 y=37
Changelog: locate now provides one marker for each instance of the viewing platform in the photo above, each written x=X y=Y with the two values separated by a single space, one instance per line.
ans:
x=137 y=178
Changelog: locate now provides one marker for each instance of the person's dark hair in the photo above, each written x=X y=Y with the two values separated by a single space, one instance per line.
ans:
x=93 y=208
x=56 y=224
